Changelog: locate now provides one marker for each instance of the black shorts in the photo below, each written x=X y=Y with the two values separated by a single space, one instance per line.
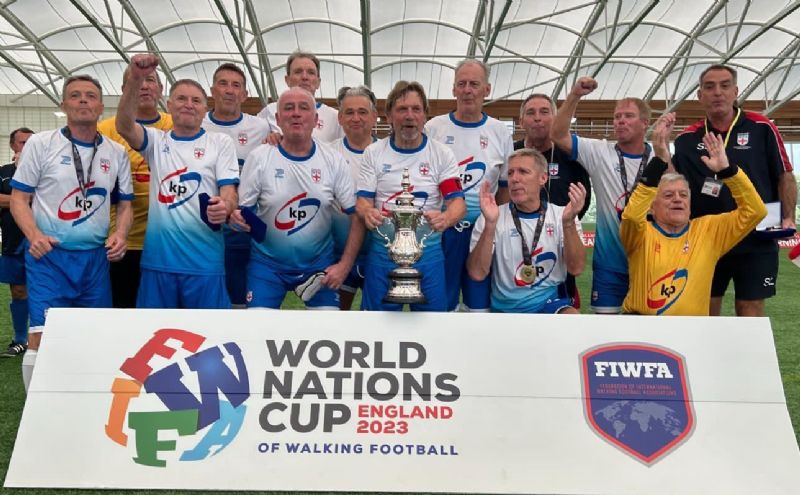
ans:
x=125 y=275
x=754 y=275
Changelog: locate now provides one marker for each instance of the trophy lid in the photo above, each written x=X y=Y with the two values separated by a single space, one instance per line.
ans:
x=405 y=200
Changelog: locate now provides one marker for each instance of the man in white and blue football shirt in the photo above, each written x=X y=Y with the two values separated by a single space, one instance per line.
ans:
x=614 y=170
x=529 y=245
x=193 y=181
x=293 y=188
x=481 y=145
x=357 y=116
x=229 y=90
x=435 y=185
x=302 y=70
x=68 y=175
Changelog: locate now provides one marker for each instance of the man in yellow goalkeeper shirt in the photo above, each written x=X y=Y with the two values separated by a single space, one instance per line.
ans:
x=671 y=259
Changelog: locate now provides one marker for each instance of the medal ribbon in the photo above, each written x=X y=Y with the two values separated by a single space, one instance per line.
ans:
x=623 y=173
x=526 y=252
x=76 y=160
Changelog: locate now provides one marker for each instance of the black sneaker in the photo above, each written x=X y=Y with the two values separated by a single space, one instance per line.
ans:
x=14 y=350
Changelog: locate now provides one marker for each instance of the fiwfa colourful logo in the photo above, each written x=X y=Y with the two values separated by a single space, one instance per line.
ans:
x=196 y=395
x=636 y=397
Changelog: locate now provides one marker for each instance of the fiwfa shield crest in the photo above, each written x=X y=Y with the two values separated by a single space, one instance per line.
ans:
x=637 y=398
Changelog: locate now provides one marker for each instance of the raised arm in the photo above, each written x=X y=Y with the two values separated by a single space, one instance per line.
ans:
x=559 y=132
x=141 y=65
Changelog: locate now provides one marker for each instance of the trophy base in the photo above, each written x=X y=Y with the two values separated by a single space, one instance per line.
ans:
x=406 y=287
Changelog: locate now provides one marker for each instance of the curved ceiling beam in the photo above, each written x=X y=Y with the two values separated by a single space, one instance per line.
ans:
x=240 y=46
x=476 y=28
x=769 y=69
x=496 y=31
x=41 y=49
x=535 y=20
x=435 y=22
x=319 y=20
x=403 y=61
x=148 y=38
x=775 y=106
x=27 y=75
x=263 y=58
x=633 y=24
x=542 y=83
x=366 y=42
x=577 y=48
x=100 y=29
x=685 y=46
x=763 y=28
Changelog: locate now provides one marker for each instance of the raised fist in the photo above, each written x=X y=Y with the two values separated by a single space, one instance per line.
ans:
x=584 y=86
x=143 y=64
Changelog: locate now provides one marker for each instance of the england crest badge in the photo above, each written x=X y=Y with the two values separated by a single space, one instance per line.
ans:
x=742 y=138
x=636 y=397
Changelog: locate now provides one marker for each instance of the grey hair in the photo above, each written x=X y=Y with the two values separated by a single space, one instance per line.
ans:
x=671 y=177
x=472 y=61
x=538 y=158
x=346 y=91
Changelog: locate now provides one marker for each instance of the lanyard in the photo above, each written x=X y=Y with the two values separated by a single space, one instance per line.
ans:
x=76 y=160
x=526 y=252
x=730 y=129
x=623 y=173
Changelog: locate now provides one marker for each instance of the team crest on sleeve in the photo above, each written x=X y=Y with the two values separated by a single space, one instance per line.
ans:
x=105 y=165
x=484 y=142
x=636 y=397
x=178 y=385
x=316 y=174
x=242 y=138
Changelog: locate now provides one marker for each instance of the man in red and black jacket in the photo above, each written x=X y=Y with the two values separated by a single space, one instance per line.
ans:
x=753 y=143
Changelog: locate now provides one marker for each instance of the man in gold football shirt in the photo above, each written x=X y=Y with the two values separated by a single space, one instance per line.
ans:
x=671 y=259
x=125 y=273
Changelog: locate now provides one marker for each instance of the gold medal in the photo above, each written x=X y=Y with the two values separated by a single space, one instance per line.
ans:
x=527 y=274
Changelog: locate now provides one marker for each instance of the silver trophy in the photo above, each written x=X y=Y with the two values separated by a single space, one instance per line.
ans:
x=405 y=249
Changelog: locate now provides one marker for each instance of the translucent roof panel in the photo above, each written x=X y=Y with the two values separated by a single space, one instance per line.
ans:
x=644 y=48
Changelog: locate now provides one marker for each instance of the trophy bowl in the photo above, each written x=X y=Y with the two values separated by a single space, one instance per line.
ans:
x=405 y=249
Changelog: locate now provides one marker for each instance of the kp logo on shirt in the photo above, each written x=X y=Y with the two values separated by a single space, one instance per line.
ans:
x=543 y=263
x=190 y=395
x=471 y=172
x=77 y=208
x=297 y=213
x=666 y=291
x=636 y=397
x=178 y=187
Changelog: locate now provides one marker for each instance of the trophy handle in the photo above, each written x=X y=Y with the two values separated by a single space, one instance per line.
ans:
x=384 y=236
x=423 y=221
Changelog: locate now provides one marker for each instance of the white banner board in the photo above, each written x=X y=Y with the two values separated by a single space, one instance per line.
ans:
x=404 y=402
